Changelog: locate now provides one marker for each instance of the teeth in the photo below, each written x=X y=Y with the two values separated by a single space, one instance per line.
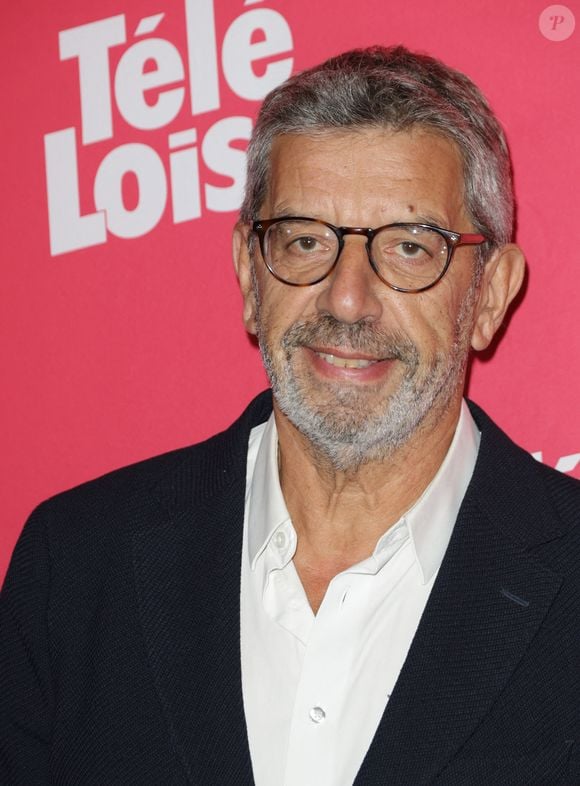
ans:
x=346 y=362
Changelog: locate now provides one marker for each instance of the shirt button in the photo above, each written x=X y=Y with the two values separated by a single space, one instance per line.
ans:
x=280 y=540
x=317 y=715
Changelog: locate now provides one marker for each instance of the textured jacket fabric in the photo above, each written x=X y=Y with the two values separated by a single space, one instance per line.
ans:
x=120 y=642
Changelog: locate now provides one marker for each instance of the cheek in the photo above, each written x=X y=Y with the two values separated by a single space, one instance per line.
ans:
x=282 y=305
x=431 y=323
x=274 y=320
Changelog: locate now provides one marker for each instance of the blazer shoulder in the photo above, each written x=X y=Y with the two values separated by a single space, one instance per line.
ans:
x=125 y=496
x=564 y=491
x=531 y=500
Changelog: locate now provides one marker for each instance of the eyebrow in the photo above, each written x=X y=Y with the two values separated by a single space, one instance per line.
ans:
x=288 y=212
x=423 y=218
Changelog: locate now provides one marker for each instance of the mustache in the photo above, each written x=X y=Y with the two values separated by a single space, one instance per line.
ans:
x=361 y=336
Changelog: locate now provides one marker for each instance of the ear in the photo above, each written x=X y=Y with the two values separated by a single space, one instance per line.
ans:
x=501 y=281
x=243 y=268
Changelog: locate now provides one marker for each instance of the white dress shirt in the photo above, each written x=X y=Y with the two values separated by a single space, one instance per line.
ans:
x=315 y=687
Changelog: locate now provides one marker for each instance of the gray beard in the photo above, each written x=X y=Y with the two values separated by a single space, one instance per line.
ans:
x=334 y=417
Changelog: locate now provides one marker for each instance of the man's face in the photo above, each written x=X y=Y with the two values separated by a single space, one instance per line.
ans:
x=357 y=367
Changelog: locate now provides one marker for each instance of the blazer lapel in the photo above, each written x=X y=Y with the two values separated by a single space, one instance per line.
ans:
x=489 y=599
x=487 y=603
x=188 y=592
x=187 y=574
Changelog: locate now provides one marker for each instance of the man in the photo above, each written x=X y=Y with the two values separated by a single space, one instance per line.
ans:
x=369 y=583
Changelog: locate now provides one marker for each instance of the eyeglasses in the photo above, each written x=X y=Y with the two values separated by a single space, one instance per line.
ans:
x=406 y=257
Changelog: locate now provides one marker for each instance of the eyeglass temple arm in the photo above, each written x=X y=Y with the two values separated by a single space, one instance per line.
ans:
x=470 y=240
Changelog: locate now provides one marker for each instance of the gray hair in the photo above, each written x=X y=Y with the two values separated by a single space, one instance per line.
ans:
x=392 y=88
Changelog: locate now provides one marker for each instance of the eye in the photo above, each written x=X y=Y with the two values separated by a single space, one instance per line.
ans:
x=408 y=245
x=313 y=245
x=306 y=243
x=397 y=248
x=412 y=250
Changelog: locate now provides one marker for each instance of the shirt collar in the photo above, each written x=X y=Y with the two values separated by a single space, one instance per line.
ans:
x=432 y=518
x=429 y=521
x=266 y=506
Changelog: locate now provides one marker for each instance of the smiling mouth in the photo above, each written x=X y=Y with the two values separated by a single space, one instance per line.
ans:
x=333 y=360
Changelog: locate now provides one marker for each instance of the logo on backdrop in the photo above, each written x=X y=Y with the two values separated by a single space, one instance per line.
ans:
x=166 y=176
x=564 y=463
x=557 y=23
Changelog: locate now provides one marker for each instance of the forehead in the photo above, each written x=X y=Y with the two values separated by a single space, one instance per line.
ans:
x=364 y=175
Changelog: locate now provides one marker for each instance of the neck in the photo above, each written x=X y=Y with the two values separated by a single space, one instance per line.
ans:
x=339 y=515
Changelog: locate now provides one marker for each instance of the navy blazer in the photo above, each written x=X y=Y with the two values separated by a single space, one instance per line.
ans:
x=120 y=644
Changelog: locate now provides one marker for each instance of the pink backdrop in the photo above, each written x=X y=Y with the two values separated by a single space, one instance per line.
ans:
x=123 y=151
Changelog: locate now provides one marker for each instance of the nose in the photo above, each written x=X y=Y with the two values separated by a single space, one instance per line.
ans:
x=351 y=291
